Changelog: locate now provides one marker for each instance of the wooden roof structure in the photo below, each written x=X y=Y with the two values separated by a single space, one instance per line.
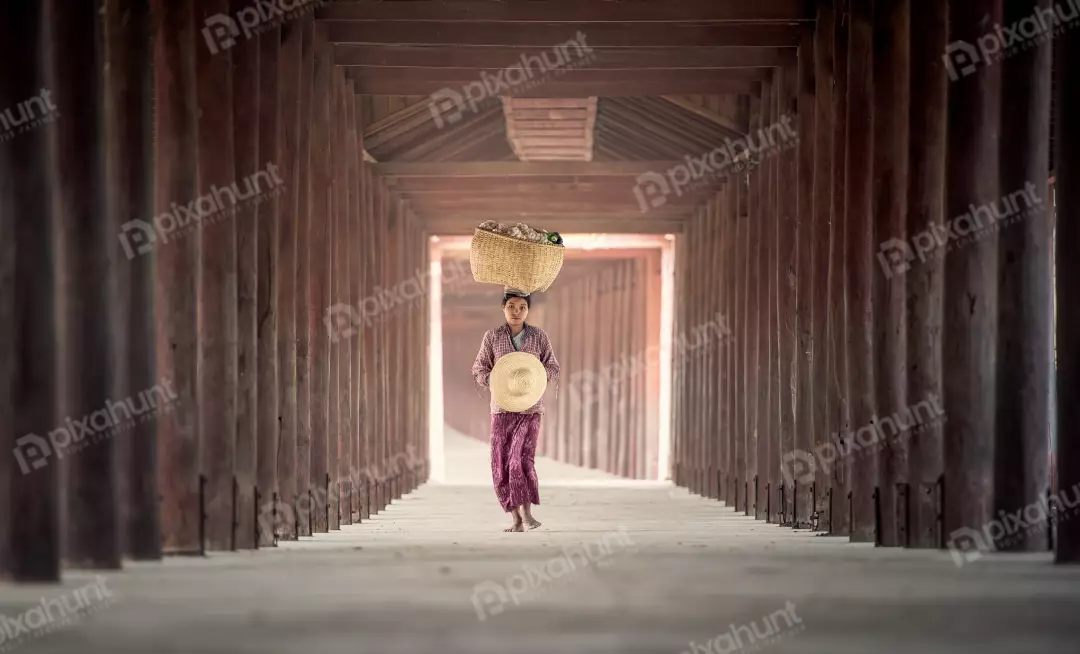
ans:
x=547 y=112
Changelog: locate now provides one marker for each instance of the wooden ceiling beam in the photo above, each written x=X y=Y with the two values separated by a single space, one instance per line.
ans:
x=471 y=125
x=496 y=57
x=685 y=121
x=545 y=216
x=489 y=139
x=578 y=11
x=547 y=36
x=649 y=128
x=554 y=132
x=499 y=185
x=560 y=89
x=460 y=78
x=708 y=114
x=611 y=194
x=521 y=169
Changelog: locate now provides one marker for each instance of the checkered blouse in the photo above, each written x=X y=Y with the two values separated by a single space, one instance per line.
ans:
x=497 y=342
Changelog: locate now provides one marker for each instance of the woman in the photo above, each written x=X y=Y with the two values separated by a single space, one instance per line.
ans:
x=513 y=435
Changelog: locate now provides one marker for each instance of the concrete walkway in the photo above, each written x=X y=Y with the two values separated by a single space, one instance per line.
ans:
x=618 y=567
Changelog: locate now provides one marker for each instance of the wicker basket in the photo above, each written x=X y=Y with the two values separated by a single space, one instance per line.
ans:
x=523 y=265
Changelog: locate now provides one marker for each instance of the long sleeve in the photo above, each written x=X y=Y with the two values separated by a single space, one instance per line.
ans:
x=485 y=361
x=547 y=357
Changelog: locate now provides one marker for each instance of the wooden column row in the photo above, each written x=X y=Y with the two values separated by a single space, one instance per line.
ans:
x=935 y=367
x=1067 y=181
x=260 y=421
x=601 y=415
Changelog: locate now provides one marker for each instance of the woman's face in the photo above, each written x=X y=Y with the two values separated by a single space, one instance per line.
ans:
x=516 y=310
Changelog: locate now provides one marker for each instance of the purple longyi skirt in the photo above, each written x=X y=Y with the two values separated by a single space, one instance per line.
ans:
x=513 y=454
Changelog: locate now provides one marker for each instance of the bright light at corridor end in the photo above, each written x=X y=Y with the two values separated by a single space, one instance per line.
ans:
x=663 y=242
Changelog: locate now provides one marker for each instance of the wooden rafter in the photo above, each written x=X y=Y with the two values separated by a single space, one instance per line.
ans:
x=706 y=113
x=579 y=11
x=517 y=169
x=628 y=58
x=543 y=36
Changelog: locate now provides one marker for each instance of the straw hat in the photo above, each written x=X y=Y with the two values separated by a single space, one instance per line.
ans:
x=518 y=381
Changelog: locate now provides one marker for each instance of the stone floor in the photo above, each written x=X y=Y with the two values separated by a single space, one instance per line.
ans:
x=617 y=567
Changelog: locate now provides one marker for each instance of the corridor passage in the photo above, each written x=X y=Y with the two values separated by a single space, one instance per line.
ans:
x=809 y=273
x=682 y=569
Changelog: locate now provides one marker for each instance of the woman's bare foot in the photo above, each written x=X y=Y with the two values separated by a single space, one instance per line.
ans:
x=517 y=521
x=530 y=521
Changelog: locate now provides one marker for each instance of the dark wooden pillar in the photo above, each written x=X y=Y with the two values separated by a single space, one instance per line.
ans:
x=806 y=238
x=217 y=288
x=354 y=144
x=289 y=220
x=344 y=349
x=925 y=281
x=715 y=344
x=678 y=383
x=177 y=266
x=606 y=332
x=787 y=269
x=248 y=159
x=1067 y=181
x=695 y=355
x=836 y=518
x=129 y=160
x=30 y=537
x=88 y=251
x=860 y=234
x=1025 y=338
x=381 y=240
x=755 y=468
x=367 y=336
x=823 y=400
x=618 y=406
x=741 y=394
x=396 y=425
x=334 y=251
x=737 y=452
x=971 y=295
x=319 y=260
x=303 y=296
x=892 y=35
x=758 y=302
x=378 y=240
x=769 y=437
x=771 y=165
x=724 y=218
x=269 y=272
